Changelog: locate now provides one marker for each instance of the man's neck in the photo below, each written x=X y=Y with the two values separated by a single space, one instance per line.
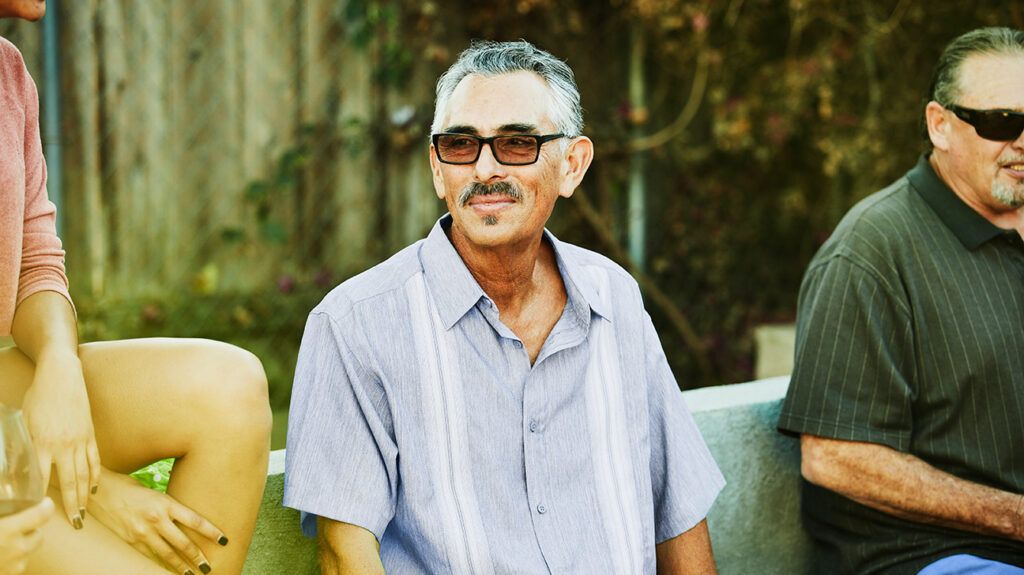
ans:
x=1010 y=219
x=511 y=274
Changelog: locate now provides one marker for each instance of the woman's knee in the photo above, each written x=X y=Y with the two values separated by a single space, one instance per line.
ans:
x=237 y=390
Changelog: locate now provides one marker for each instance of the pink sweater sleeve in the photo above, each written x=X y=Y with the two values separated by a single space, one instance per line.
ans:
x=39 y=265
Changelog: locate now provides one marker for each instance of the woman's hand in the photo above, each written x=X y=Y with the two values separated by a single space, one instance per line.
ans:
x=56 y=409
x=19 y=536
x=151 y=522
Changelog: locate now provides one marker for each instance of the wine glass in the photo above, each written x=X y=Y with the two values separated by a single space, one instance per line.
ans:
x=21 y=483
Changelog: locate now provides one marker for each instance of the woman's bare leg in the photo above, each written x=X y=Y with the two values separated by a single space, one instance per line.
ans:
x=201 y=401
x=93 y=550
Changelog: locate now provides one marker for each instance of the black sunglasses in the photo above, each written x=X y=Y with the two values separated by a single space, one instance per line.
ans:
x=507 y=149
x=995 y=125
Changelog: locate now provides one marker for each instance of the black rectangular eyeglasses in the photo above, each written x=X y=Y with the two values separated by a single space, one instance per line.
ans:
x=995 y=125
x=507 y=149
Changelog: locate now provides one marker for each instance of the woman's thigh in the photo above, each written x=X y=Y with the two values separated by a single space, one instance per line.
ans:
x=156 y=398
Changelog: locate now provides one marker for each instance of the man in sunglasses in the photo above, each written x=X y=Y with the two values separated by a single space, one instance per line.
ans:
x=491 y=399
x=908 y=388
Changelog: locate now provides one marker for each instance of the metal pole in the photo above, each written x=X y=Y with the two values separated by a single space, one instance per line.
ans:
x=637 y=167
x=51 y=109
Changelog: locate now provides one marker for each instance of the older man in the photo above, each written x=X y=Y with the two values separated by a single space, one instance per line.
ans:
x=908 y=388
x=490 y=399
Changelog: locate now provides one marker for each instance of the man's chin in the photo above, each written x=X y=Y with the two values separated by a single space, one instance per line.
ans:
x=488 y=232
x=1011 y=196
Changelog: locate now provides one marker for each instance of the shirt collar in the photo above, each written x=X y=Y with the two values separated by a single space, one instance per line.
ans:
x=455 y=291
x=970 y=227
x=577 y=281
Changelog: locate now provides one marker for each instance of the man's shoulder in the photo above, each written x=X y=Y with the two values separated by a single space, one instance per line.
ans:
x=374 y=286
x=589 y=261
x=877 y=225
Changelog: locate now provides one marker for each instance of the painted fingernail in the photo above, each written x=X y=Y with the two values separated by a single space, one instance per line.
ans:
x=205 y=568
x=94 y=488
x=81 y=513
x=223 y=541
x=77 y=521
x=189 y=572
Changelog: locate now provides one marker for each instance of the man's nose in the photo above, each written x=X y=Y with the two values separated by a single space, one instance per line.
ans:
x=487 y=167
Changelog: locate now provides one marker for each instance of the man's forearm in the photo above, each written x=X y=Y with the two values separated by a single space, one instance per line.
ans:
x=907 y=487
x=687 y=554
x=348 y=549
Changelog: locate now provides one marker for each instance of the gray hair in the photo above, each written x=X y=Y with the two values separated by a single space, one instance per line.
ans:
x=487 y=58
x=945 y=86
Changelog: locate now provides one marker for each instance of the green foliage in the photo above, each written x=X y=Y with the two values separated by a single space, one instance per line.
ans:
x=264 y=195
x=377 y=26
x=155 y=476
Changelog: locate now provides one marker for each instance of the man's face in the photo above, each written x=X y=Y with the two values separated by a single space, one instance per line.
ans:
x=990 y=172
x=494 y=204
x=27 y=9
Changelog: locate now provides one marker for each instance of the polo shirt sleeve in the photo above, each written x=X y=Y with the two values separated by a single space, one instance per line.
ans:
x=342 y=459
x=854 y=357
x=684 y=476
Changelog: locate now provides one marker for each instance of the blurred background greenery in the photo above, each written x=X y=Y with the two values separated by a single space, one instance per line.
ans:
x=225 y=163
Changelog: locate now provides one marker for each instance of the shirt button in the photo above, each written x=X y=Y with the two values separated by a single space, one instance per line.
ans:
x=533 y=426
x=542 y=509
x=518 y=343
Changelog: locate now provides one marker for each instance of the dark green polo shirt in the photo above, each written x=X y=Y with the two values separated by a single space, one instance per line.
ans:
x=910 y=333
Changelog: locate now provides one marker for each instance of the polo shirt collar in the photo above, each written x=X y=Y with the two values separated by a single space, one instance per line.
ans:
x=970 y=227
x=455 y=291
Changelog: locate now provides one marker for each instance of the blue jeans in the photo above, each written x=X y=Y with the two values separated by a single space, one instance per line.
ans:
x=969 y=565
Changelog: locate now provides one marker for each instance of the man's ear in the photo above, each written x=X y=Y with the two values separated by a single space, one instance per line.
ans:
x=577 y=160
x=435 y=172
x=938 y=123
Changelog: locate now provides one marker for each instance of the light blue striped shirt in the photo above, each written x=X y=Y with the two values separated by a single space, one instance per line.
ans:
x=416 y=414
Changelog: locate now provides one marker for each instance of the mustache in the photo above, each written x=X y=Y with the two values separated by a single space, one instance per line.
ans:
x=477 y=189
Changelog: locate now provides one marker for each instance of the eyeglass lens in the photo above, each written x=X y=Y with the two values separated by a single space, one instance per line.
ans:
x=465 y=149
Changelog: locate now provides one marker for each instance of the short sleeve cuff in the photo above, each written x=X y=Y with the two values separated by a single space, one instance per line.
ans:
x=698 y=505
x=309 y=511
x=898 y=440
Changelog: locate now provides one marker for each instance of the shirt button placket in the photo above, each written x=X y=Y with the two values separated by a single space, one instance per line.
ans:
x=537 y=482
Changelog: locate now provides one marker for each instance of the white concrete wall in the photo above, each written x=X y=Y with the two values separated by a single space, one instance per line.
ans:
x=755 y=523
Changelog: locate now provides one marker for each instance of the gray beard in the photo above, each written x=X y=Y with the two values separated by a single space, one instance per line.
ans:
x=1008 y=195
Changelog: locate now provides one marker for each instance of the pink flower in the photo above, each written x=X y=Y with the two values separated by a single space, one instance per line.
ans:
x=700 y=22
x=285 y=284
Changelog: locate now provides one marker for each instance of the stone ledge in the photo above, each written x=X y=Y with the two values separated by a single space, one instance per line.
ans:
x=755 y=524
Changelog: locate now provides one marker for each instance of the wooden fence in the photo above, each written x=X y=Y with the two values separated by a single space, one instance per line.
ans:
x=223 y=144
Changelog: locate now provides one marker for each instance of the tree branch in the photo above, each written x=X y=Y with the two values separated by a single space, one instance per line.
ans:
x=662 y=136
x=675 y=315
